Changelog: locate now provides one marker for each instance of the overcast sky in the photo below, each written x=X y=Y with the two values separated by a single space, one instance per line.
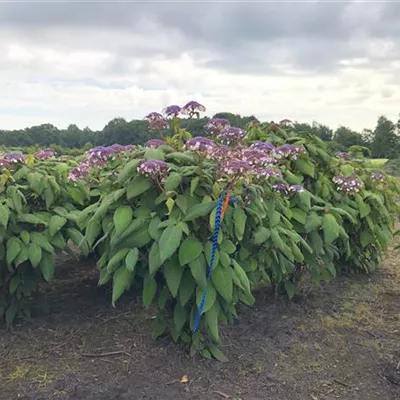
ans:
x=87 y=62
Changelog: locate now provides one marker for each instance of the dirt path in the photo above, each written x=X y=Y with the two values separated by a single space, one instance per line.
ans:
x=339 y=341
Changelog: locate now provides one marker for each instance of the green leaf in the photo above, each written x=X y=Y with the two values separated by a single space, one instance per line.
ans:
x=128 y=171
x=12 y=250
x=78 y=239
x=154 y=259
x=34 y=254
x=154 y=154
x=56 y=223
x=227 y=246
x=241 y=275
x=14 y=283
x=31 y=219
x=116 y=259
x=47 y=266
x=199 y=210
x=299 y=215
x=173 y=275
x=137 y=186
x=122 y=218
x=193 y=185
x=218 y=354
x=239 y=218
x=313 y=222
x=198 y=268
x=222 y=280
x=25 y=237
x=4 y=215
x=330 y=228
x=131 y=259
x=189 y=250
x=149 y=290
x=366 y=238
x=154 y=231
x=186 y=288
x=210 y=297
x=173 y=181
x=180 y=316
x=22 y=256
x=169 y=241
x=93 y=230
x=290 y=289
x=211 y=319
x=305 y=166
x=121 y=281
x=261 y=235
x=363 y=208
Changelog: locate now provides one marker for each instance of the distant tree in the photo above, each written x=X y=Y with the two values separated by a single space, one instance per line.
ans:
x=385 y=142
x=347 y=137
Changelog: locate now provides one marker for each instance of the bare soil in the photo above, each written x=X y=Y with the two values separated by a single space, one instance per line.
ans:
x=337 y=341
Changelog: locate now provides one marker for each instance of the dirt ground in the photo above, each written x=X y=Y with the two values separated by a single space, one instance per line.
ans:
x=337 y=341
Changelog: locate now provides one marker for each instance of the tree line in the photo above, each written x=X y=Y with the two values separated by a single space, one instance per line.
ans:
x=383 y=141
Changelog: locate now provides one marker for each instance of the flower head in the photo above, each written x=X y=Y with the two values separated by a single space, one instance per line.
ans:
x=268 y=173
x=377 y=176
x=296 y=189
x=173 y=111
x=342 y=154
x=193 y=107
x=234 y=167
x=255 y=157
x=156 y=121
x=231 y=134
x=288 y=151
x=79 y=172
x=282 y=188
x=264 y=146
x=14 y=158
x=215 y=125
x=44 y=154
x=200 y=144
x=154 y=143
x=4 y=163
x=117 y=147
x=154 y=169
x=347 y=184
x=99 y=155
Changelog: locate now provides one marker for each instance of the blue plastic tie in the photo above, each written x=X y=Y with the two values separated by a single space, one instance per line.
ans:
x=213 y=253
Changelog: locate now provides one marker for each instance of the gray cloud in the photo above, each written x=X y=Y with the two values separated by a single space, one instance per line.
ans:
x=237 y=37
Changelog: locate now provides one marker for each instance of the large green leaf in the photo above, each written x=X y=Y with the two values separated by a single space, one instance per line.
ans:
x=131 y=259
x=4 y=215
x=239 y=218
x=222 y=279
x=128 y=171
x=180 y=317
x=199 y=210
x=47 y=265
x=122 y=218
x=331 y=228
x=34 y=254
x=198 y=268
x=56 y=223
x=261 y=235
x=154 y=259
x=122 y=280
x=170 y=241
x=149 y=290
x=173 y=275
x=211 y=318
x=173 y=181
x=211 y=296
x=305 y=166
x=313 y=222
x=116 y=259
x=186 y=288
x=189 y=250
x=12 y=250
x=137 y=186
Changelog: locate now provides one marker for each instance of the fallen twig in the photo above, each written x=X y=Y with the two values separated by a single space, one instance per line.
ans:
x=222 y=394
x=109 y=353
x=341 y=383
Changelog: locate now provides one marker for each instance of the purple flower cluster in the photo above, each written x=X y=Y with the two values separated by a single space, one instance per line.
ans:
x=287 y=189
x=216 y=125
x=4 y=163
x=201 y=145
x=268 y=173
x=342 y=154
x=172 y=111
x=255 y=157
x=45 y=154
x=377 y=176
x=153 y=169
x=347 y=185
x=234 y=167
x=192 y=108
x=288 y=151
x=263 y=146
x=157 y=121
x=231 y=135
x=80 y=172
x=14 y=158
x=99 y=156
x=154 y=143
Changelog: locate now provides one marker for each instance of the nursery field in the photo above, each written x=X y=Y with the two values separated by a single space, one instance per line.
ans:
x=337 y=341
x=243 y=264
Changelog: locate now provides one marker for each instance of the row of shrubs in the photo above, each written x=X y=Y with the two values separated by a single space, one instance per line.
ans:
x=194 y=223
